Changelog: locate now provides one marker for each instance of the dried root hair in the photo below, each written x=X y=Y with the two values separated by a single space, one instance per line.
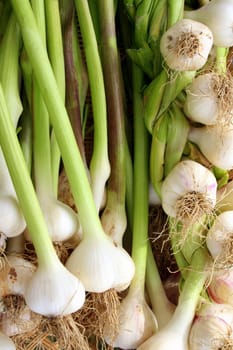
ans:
x=16 y=317
x=54 y=334
x=222 y=343
x=194 y=214
x=99 y=310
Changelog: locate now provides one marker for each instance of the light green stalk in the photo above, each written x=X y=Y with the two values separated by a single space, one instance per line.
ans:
x=59 y=119
x=140 y=187
x=24 y=187
x=99 y=164
x=55 y=52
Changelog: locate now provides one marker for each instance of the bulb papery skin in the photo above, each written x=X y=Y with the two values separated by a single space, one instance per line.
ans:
x=201 y=104
x=211 y=327
x=220 y=288
x=54 y=291
x=186 y=45
x=187 y=176
x=12 y=222
x=219 y=233
x=215 y=143
x=61 y=220
x=137 y=323
x=101 y=264
x=6 y=343
x=15 y=275
x=217 y=15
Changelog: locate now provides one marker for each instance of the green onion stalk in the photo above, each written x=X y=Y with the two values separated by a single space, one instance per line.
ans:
x=175 y=333
x=12 y=222
x=76 y=75
x=114 y=216
x=56 y=57
x=99 y=164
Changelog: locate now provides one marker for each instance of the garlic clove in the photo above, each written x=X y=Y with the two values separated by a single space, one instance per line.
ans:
x=54 y=291
x=6 y=343
x=101 y=264
x=136 y=323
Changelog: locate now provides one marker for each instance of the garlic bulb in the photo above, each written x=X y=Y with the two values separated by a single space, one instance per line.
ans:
x=136 y=323
x=217 y=15
x=14 y=275
x=212 y=328
x=219 y=239
x=186 y=45
x=101 y=264
x=62 y=221
x=12 y=222
x=209 y=99
x=215 y=143
x=189 y=186
x=54 y=291
x=220 y=287
x=6 y=343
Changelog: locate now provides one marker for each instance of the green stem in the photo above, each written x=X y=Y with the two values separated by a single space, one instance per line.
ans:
x=175 y=12
x=114 y=212
x=9 y=73
x=141 y=185
x=55 y=52
x=41 y=126
x=75 y=169
x=99 y=164
x=24 y=187
x=221 y=59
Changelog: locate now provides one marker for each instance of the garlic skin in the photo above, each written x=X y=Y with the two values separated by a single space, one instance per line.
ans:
x=15 y=275
x=187 y=176
x=136 y=323
x=62 y=221
x=201 y=104
x=186 y=45
x=6 y=343
x=211 y=327
x=215 y=143
x=101 y=264
x=220 y=288
x=217 y=15
x=54 y=291
x=219 y=233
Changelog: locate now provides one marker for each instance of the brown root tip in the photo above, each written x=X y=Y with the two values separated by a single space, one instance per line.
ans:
x=187 y=45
